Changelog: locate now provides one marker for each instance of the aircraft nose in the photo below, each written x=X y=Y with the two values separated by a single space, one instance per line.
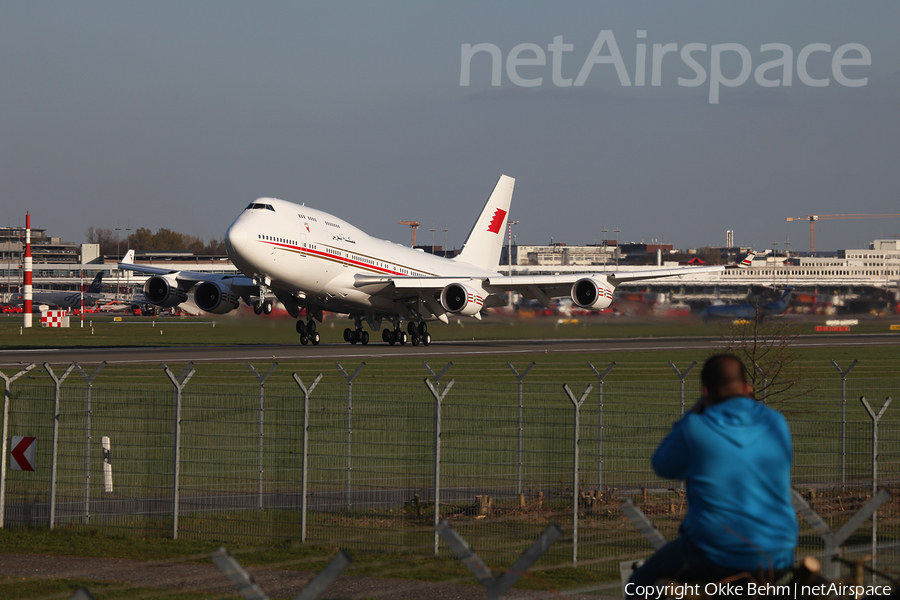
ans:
x=235 y=238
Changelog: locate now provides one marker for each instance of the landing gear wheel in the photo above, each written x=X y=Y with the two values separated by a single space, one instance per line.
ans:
x=364 y=337
x=310 y=327
x=423 y=329
x=303 y=339
x=267 y=307
x=257 y=308
x=354 y=337
x=415 y=340
x=348 y=334
x=386 y=336
x=411 y=329
x=426 y=339
x=403 y=338
x=315 y=338
x=301 y=328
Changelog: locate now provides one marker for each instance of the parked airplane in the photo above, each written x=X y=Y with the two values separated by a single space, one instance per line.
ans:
x=311 y=260
x=749 y=311
x=64 y=299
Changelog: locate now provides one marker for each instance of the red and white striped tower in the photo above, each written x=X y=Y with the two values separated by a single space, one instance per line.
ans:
x=26 y=264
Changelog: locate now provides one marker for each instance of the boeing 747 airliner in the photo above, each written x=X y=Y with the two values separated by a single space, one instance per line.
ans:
x=313 y=261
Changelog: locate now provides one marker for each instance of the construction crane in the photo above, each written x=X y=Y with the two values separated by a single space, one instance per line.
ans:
x=813 y=218
x=413 y=225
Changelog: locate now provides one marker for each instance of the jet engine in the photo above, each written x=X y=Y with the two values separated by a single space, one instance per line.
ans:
x=163 y=290
x=216 y=298
x=593 y=294
x=462 y=299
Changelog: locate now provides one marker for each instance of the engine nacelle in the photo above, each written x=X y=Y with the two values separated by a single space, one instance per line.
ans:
x=592 y=294
x=462 y=299
x=163 y=290
x=216 y=298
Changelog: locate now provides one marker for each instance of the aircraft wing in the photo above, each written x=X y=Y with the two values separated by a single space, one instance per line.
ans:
x=551 y=285
x=187 y=278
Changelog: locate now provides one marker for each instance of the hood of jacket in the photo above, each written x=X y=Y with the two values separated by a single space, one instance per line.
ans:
x=739 y=420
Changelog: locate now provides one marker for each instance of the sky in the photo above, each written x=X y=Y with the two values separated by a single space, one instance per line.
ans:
x=178 y=114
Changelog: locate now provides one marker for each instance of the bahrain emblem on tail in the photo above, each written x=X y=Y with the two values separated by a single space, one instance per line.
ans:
x=497 y=221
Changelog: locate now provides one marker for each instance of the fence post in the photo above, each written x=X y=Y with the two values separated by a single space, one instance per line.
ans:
x=682 y=376
x=349 y=379
x=875 y=419
x=576 y=438
x=57 y=383
x=835 y=539
x=437 y=378
x=438 y=399
x=259 y=453
x=519 y=460
x=844 y=417
x=250 y=590
x=7 y=381
x=496 y=587
x=600 y=378
x=89 y=384
x=304 y=481
x=179 y=383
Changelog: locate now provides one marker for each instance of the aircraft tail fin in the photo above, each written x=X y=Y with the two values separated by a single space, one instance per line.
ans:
x=747 y=262
x=785 y=298
x=486 y=239
x=96 y=285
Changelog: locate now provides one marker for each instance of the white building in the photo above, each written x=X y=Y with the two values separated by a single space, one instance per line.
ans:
x=878 y=266
x=563 y=255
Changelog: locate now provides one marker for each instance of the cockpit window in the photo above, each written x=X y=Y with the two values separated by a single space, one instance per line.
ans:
x=254 y=205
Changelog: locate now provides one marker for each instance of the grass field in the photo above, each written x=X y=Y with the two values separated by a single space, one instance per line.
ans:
x=104 y=331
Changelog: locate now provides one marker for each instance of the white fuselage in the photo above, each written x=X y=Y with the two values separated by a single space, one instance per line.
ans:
x=315 y=255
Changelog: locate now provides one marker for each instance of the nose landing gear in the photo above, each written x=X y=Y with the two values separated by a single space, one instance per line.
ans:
x=263 y=306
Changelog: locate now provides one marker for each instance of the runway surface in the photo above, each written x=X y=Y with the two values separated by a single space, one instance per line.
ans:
x=86 y=356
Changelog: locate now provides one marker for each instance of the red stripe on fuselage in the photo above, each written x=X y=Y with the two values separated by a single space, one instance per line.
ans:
x=339 y=259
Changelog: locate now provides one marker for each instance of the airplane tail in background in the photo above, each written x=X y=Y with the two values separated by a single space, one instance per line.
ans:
x=96 y=285
x=782 y=303
x=485 y=241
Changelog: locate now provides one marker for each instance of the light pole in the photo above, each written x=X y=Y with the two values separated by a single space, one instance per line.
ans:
x=127 y=248
x=617 y=231
x=604 y=231
x=118 y=259
x=509 y=247
x=445 y=230
x=432 y=230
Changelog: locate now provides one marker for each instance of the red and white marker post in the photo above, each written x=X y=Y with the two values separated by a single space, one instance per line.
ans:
x=26 y=264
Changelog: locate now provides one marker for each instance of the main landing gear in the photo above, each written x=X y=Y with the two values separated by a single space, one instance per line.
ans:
x=415 y=333
x=358 y=335
x=308 y=332
x=418 y=333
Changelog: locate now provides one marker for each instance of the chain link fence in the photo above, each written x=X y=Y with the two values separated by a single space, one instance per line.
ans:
x=384 y=460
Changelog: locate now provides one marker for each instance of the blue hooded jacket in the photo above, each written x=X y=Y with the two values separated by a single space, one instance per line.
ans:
x=736 y=459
